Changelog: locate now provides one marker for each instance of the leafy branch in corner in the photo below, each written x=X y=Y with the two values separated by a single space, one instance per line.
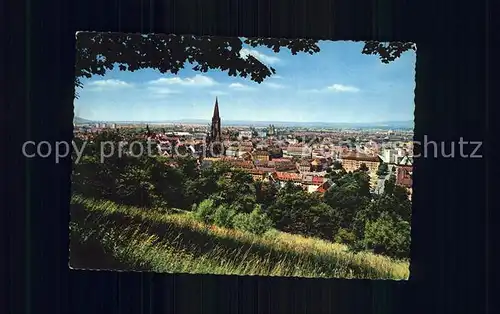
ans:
x=387 y=52
x=99 y=52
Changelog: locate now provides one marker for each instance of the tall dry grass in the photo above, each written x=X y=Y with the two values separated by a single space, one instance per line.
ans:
x=142 y=239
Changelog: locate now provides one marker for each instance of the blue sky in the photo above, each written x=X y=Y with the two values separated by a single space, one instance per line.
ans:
x=338 y=84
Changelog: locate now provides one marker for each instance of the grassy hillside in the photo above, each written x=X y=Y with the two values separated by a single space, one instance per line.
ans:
x=105 y=235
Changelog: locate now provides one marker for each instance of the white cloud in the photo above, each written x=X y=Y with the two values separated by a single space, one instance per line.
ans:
x=239 y=86
x=342 y=88
x=108 y=84
x=197 y=80
x=337 y=88
x=244 y=52
x=274 y=85
x=243 y=87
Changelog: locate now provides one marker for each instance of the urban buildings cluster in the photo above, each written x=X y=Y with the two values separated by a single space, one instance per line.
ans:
x=299 y=155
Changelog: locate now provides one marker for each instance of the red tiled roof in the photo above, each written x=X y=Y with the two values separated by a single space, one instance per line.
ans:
x=242 y=164
x=318 y=179
x=266 y=169
x=287 y=176
x=323 y=187
x=255 y=171
x=262 y=163
x=280 y=160
x=281 y=163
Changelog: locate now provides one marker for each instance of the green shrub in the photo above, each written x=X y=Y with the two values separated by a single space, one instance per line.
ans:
x=345 y=236
x=255 y=222
x=259 y=223
x=205 y=211
x=388 y=236
x=240 y=221
x=223 y=216
x=246 y=203
x=159 y=204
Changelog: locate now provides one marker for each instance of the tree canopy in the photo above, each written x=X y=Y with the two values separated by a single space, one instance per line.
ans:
x=229 y=197
x=383 y=169
x=99 y=52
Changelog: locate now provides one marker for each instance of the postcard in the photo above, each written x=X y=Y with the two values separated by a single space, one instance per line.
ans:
x=242 y=156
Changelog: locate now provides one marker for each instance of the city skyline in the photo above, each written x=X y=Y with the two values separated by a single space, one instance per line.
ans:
x=337 y=85
x=257 y=123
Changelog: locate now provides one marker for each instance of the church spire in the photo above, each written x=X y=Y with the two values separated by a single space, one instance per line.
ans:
x=216 y=109
x=215 y=129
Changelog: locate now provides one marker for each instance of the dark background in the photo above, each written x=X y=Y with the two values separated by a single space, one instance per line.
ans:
x=450 y=241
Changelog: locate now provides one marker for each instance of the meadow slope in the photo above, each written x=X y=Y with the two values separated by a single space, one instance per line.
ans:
x=105 y=235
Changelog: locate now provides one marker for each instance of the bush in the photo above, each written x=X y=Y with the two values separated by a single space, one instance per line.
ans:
x=256 y=222
x=246 y=203
x=159 y=204
x=388 y=236
x=345 y=236
x=259 y=223
x=240 y=221
x=223 y=216
x=205 y=211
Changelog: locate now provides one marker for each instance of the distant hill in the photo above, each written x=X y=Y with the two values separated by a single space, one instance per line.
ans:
x=81 y=120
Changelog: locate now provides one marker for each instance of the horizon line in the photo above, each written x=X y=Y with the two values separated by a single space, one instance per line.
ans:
x=242 y=120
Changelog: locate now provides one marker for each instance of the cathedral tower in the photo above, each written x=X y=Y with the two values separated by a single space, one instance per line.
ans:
x=215 y=130
x=214 y=138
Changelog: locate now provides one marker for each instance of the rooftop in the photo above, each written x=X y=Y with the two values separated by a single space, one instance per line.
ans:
x=305 y=162
x=287 y=176
x=360 y=157
x=261 y=152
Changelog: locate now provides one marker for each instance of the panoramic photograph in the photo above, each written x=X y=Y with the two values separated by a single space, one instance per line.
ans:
x=242 y=156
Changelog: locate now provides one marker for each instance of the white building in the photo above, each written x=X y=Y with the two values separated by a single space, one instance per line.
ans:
x=245 y=134
x=182 y=133
x=311 y=188
x=235 y=152
x=387 y=155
